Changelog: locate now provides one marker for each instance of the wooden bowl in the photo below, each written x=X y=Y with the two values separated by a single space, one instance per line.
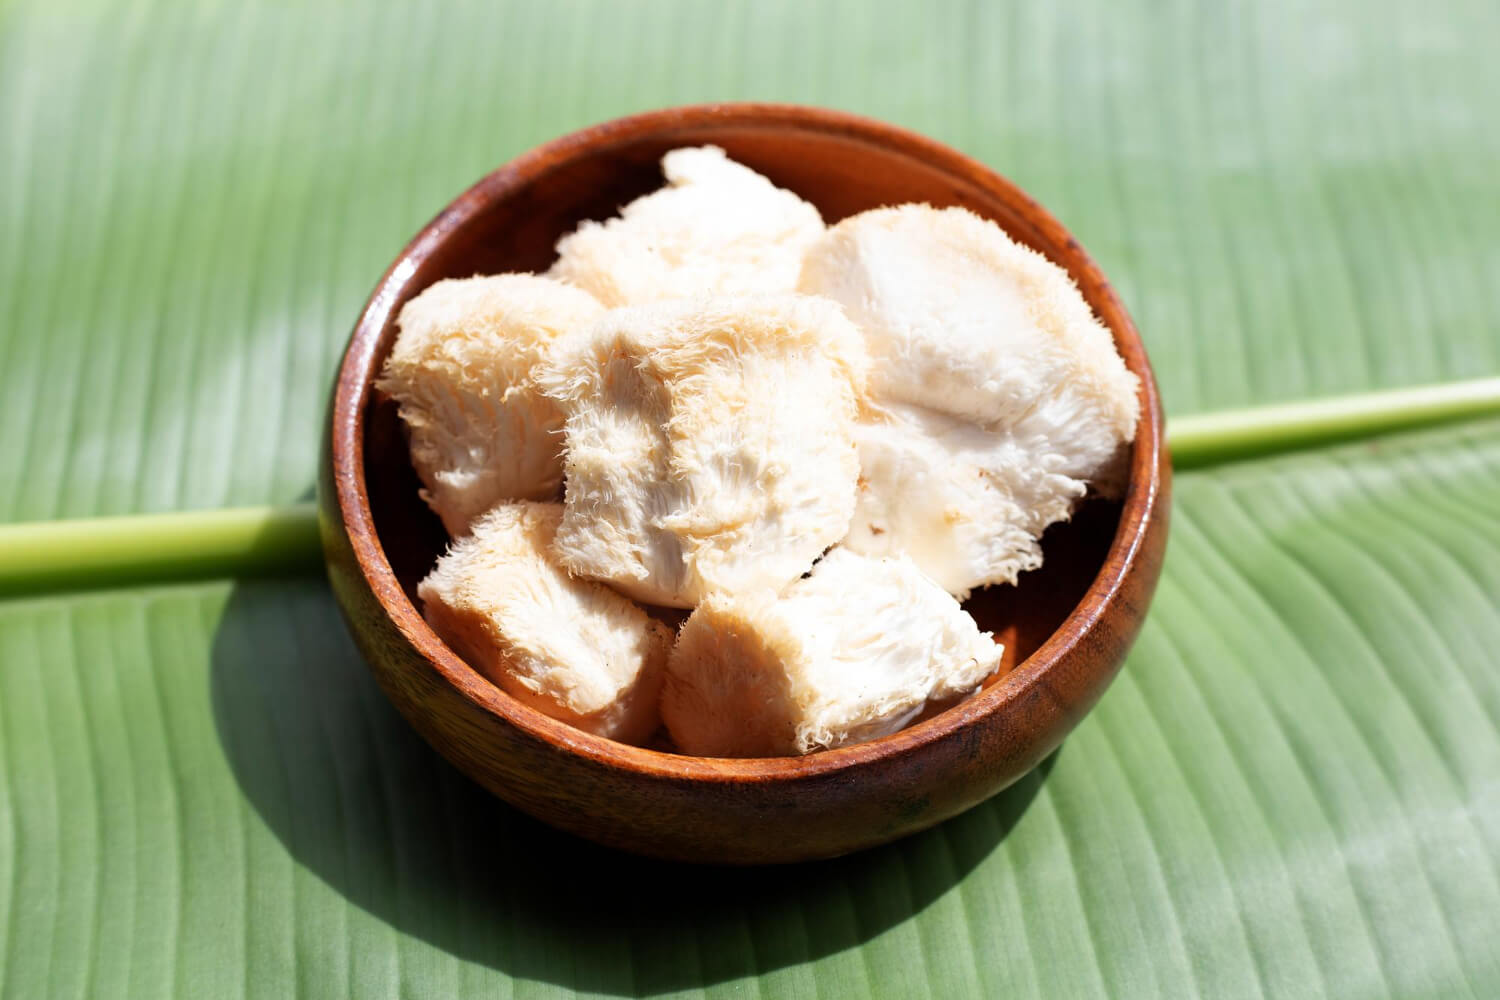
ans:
x=1067 y=626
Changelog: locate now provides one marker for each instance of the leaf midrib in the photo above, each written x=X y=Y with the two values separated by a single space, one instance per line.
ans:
x=43 y=556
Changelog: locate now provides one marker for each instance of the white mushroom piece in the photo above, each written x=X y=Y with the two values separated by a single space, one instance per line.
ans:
x=462 y=371
x=709 y=444
x=716 y=227
x=570 y=648
x=999 y=398
x=853 y=651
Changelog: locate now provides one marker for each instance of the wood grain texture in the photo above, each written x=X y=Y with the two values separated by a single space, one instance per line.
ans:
x=1072 y=625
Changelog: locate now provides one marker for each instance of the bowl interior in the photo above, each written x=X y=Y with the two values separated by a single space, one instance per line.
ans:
x=512 y=219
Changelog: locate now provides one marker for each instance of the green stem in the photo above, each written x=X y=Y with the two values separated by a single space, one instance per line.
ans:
x=103 y=551
x=1229 y=435
x=107 y=551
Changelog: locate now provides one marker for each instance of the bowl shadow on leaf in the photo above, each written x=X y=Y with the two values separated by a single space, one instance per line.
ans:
x=355 y=796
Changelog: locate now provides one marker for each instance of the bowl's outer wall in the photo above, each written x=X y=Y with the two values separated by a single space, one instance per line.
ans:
x=690 y=808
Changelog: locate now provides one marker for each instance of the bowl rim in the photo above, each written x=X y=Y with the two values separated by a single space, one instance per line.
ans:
x=355 y=382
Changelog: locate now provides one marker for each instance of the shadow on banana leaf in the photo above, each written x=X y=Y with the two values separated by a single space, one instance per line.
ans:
x=356 y=797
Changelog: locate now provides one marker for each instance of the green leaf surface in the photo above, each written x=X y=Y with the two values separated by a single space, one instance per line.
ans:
x=1292 y=790
x=1294 y=199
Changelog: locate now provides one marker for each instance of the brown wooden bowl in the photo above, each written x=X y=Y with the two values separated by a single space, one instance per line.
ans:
x=1067 y=626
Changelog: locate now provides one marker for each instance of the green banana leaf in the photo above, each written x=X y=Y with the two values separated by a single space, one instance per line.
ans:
x=1293 y=789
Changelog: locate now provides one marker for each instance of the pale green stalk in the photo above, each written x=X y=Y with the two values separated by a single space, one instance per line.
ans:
x=241 y=541
x=96 y=551
x=1211 y=438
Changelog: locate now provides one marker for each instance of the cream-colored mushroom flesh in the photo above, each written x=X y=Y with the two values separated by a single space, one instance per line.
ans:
x=573 y=649
x=717 y=227
x=967 y=504
x=853 y=651
x=461 y=372
x=1000 y=396
x=710 y=444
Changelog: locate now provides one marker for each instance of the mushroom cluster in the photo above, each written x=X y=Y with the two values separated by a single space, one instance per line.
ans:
x=816 y=440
